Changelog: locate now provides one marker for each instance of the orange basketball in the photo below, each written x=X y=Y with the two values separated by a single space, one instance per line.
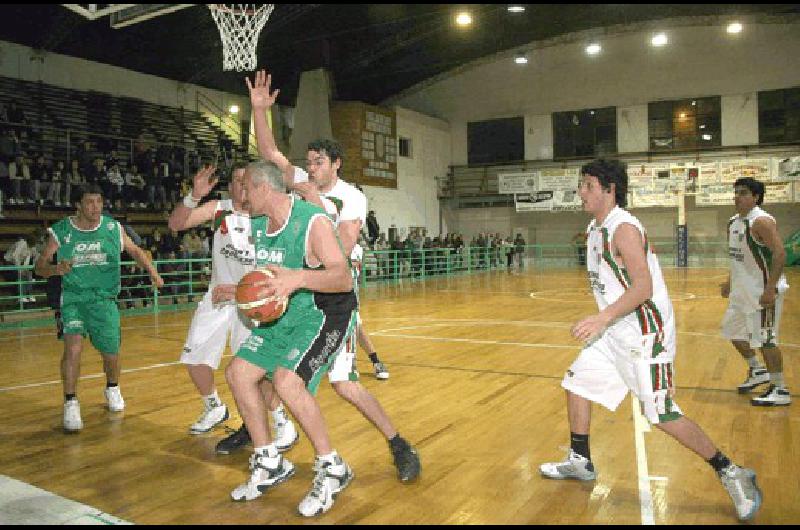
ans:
x=253 y=301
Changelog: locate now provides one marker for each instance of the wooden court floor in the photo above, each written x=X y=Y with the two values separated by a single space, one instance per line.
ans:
x=475 y=366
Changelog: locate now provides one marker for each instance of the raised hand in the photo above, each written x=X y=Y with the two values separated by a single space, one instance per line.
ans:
x=203 y=182
x=260 y=96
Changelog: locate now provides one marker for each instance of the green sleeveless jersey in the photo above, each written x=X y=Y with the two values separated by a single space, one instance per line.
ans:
x=95 y=256
x=287 y=248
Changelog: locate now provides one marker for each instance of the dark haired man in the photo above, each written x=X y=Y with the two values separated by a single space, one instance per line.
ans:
x=630 y=344
x=755 y=289
x=88 y=248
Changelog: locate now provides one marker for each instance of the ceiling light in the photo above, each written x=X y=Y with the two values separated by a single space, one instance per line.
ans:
x=591 y=112
x=659 y=40
x=682 y=115
x=521 y=59
x=593 y=49
x=694 y=103
x=464 y=19
x=516 y=9
x=234 y=109
x=706 y=137
x=702 y=126
x=734 y=27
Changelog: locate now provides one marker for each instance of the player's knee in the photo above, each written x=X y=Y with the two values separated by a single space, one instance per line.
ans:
x=349 y=390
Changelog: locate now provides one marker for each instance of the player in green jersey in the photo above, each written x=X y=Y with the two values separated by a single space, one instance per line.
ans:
x=87 y=247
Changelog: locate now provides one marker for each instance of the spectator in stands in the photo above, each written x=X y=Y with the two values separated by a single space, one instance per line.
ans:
x=20 y=254
x=9 y=145
x=171 y=181
x=508 y=251
x=73 y=181
x=40 y=179
x=57 y=181
x=134 y=190
x=154 y=187
x=19 y=175
x=373 y=228
x=5 y=184
x=519 y=250
x=85 y=157
x=116 y=184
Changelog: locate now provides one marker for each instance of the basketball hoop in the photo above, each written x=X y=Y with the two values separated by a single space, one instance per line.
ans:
x=239 y=26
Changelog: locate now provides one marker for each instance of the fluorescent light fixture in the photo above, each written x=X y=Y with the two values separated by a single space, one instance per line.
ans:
x=734 y=27
x=593 y=49
x=658 y=40
x=464 y=19
x=707 y=137
x=521 y=59
x=234 y=109
x=702 y=126
x=516 y=9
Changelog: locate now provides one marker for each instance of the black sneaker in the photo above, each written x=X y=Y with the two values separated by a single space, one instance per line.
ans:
x=406 y=460
x=234 y=442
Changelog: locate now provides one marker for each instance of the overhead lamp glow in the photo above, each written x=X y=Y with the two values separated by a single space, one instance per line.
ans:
x=521 y=59
x=707 y=137
x=682 y=115
x=734 y=27
x=659 y=40
x=234 y=109
x=702 y=126
x=593 y=49
x=464 y=19
x=516 y=9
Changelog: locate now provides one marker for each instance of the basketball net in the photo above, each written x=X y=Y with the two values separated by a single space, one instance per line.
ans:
x=239 y=26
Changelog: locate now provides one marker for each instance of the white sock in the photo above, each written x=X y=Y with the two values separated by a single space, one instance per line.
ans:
x=279 y=415
x=753 y=362
x=776 y=378
x=212 y=400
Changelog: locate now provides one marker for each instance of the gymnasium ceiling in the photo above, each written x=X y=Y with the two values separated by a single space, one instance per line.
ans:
x=373 y=51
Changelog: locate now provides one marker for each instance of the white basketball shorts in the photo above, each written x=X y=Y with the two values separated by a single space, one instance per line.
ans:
x=758 y=327
x=211 y=325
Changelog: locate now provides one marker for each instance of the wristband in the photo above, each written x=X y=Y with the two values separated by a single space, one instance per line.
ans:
x=190 y=201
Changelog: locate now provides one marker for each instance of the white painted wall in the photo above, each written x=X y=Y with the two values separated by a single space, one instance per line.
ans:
x=414 y=202
x=700 y=60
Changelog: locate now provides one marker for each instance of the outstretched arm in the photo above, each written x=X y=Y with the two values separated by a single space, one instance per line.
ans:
x=185 y=215
x=144 y=261
x=262 y=101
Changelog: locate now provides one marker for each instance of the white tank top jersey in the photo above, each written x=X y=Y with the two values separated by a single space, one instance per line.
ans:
x=609 y=280
x=232 y=255
x=750 y=262
x=348 y=203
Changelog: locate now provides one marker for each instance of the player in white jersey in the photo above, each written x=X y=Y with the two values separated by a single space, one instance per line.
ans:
x=630 y=343
x=217 y=316
x=360 y=335
x=755 y=290
x=348 y=208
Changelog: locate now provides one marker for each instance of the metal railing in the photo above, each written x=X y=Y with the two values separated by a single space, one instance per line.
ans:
x=24 y=299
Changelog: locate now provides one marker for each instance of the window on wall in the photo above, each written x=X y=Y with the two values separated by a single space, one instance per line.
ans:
x=496 y=141
x=684 y=124
x=589 y=132
x=779 y=116
x=404 y=147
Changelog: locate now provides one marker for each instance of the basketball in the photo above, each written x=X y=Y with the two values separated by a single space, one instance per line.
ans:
x=253 y=302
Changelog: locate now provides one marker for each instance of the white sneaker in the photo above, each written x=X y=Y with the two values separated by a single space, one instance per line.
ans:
x=380 y=371
x=114 y=399
x=266 y=472
x=72 y=415
x=285 y=435
x=741 y=485
x=774 y=396
x=755 y=377
x=575 y=466
x=210 y=418
x=330 y=479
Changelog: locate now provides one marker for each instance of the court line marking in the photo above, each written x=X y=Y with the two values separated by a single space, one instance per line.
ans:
x=24 y=504
x=641 y=426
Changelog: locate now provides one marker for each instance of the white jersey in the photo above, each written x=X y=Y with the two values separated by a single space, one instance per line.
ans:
x=232 y=255
x=348 y=203
x=653 y=321
x=750 y=262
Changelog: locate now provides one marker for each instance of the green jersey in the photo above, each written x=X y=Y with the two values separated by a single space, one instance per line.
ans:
x=95 y=256
x=287 y=248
